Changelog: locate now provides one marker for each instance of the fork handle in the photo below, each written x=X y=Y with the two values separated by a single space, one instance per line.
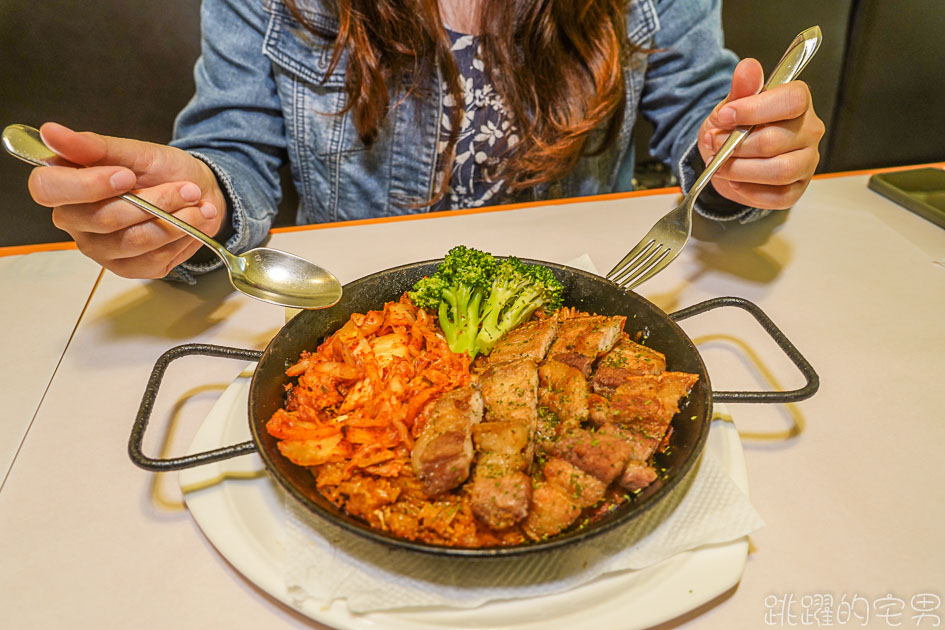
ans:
x=794 y=60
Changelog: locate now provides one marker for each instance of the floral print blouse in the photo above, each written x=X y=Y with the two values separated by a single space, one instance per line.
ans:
x=486 y=131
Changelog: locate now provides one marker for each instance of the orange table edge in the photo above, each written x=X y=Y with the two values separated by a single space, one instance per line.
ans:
x=45 y=247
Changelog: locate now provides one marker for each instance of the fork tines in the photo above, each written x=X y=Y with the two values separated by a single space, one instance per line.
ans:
x=642 y=262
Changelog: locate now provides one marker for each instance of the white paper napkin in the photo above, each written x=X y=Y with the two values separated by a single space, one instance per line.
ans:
x=324 y=563
x=584 y=263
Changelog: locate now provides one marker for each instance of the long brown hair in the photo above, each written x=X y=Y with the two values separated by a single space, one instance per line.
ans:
x=558 y=65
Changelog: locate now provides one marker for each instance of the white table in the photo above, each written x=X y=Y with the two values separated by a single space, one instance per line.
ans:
x=853 y=505
x=44 y=294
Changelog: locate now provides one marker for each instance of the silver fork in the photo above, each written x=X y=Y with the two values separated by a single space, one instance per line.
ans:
x=669 y=235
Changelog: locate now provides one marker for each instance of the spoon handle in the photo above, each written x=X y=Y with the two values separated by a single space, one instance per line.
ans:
x=150 y=208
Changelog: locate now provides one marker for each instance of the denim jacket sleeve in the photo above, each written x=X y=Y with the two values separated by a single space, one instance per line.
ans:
x=234 y=122
x=238 y=123
x=689 y=74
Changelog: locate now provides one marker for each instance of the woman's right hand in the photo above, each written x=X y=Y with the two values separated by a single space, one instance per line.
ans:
x=114 y=233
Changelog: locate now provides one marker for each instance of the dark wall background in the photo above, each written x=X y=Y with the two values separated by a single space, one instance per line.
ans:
x=124 y=68
x=878 y=81
x=118 y=67
x=763 y=30
x=892 y=96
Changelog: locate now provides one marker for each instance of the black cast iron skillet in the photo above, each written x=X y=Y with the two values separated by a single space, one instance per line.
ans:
x=582 y=290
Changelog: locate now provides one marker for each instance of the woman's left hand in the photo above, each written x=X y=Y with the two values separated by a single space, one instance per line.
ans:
x=772 y=167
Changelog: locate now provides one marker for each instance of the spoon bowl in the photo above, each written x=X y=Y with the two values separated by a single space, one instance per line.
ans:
x=266 y=274
x=299 y=285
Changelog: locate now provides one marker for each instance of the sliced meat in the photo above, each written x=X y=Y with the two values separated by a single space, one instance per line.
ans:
x=674 y=386
x=599 y=454
x=636 y=472
x=563 y=391
x=443 y=451
x=510 y=392
x=501 y=501
x=626 y=359
x=531 y=340
x=581 y=340
x=652 y=416
x=547 y=430
x=552 y=510
x=583 y=489
x=637 y=475
x=641 y=446
x=645 y=403
x=558 y=500
x=637 y=398
x=502 y=446
x=500 y=491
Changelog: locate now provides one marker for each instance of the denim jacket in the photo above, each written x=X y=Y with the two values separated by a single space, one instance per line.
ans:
x=264 y=96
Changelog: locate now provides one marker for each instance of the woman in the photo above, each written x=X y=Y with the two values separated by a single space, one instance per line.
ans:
x=395 y=106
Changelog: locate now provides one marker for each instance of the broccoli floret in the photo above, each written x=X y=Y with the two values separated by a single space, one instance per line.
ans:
x=511 y=278
x=518 y=290
x=478 y=298
x=461 y=282
x=428 y=292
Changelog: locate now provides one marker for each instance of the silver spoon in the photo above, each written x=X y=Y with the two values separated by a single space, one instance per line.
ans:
x=266 y=274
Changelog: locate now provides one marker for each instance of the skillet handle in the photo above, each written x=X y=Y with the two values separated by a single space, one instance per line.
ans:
x=813 y=381
x=147 y=404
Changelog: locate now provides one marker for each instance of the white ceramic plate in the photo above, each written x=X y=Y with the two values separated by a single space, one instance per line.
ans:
x=241 y=511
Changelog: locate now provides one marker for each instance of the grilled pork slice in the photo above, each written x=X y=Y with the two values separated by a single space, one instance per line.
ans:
x=602 y=455
x=637 y=475
x=581 y=340
x=674 y=386
x=558 y=500
x=500 y=491
x=645 y=403
x=552 y=511
x=443 y=451
x=501 y=501
x=510 y=392
x=531 y=340
x=636 y=472
x=640 y=413
x=635 y=399
x=585 y=490
x=641 y=446
x=503 y=446
x=563 y=391
x=625 y=360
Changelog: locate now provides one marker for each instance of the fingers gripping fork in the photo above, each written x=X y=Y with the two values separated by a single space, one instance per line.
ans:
x=670 y=234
